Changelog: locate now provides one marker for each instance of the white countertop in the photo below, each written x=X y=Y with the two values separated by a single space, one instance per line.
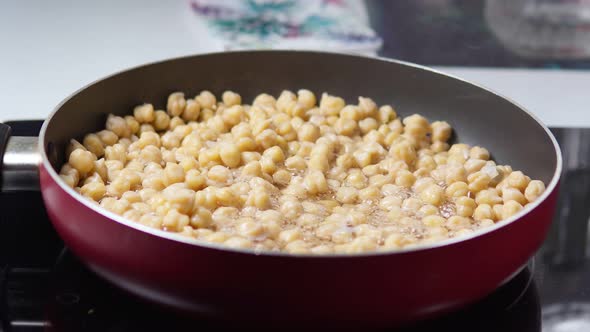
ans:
x=52 y=48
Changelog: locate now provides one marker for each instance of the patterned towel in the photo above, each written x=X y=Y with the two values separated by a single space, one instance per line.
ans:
x=332 y=25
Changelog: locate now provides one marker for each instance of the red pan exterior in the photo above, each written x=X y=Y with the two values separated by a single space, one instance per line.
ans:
x=381 y=289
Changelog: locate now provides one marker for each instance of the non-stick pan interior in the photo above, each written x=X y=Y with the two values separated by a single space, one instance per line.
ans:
x=477 y=116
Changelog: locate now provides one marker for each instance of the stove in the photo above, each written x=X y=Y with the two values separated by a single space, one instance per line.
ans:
x=44 y=287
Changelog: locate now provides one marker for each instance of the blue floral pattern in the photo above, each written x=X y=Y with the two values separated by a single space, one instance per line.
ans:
x=309 y=24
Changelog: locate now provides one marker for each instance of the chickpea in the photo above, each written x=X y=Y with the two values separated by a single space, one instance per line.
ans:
x=533 y=190
x=94 y=190
x=478 y=181
x=478 y=152
x=351 y=112
x=513 y=194
x=175 y=220
x=498 y=209
x=175 y=122
x=264 y=100
x=287 y=174
x=403 y=150
x=308 y=132
x=518 y=180
x=116 y=152
x=259 y=198
x=369 y=194
x=82 y=161
x=107 y=137
x=148 y=138
x=404 y=178
x=233 y=115
x=206 y=99
x=230 y=155
x=389 y=203
x=441 y=131
x=113 y=167
x=154 y=182
x=347 y=195
x=306 y=99
x=281 y=177
x=315 y=182
x=386 y=114
x=457 y=189
x=455 y=173
x=433 y=221
x=474 y=165
x=176 y=104
x=195 y=180
x=267 y=165
x=483 y=211
x=132 y=197
x=191 y=111
x=286 y=102
x=295 y=163
x=346 y=127
x=433 y=194
x=220 y=174
x=416 y=126
x=179 y=198
x=458 y=222
x=438 y=146
x=367 y=106
x=93 y=143
x=231 y=98
x=114 y=205
x=411 y=205
x=161 y=120
x=356 y=179
x=144 y=128
x=275 y=154
x=331 y=105
x=144 y=113
x=266 y=139
x=173 y=173
x=133 y=177
x=205 y=114
x=460 y=149
x=510 y=208
x=488 y=196
x=132 y=124
x=362 y=244
x=465 y=206
x=118 y=125
x=118 y=186
x=101 y=169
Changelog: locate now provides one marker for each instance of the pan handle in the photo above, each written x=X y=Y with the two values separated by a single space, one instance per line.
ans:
x=19 y=170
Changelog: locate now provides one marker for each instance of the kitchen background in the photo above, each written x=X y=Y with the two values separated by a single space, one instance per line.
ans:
x=536 y=52
x=49 y=49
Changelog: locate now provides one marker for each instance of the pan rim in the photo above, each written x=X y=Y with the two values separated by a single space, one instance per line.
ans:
x=551 y=187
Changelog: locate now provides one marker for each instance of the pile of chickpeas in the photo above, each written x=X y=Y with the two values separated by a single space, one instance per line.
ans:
x=289 y=174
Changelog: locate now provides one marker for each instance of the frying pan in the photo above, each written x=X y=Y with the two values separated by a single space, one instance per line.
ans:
x=377 y=289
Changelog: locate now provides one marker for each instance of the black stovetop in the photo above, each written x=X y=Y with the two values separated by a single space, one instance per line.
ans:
x=43 y=287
